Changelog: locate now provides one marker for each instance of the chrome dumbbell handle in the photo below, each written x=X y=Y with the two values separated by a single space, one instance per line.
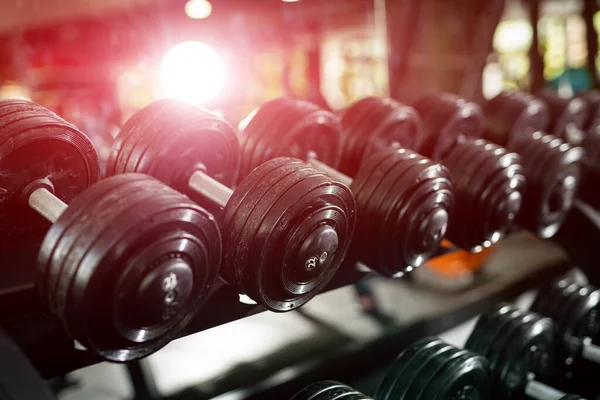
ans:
x=331 y=172
x=46 y=204
x=590 y=351
x=540 y=391
x=210 y=188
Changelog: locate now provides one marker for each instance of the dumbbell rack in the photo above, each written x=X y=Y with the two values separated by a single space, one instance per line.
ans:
x=520 y=263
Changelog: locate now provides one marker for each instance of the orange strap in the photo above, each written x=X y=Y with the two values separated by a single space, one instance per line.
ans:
x=456 y=262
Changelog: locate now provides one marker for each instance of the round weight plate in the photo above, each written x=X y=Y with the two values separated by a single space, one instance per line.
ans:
x=553 y=171
x=488 y=183
x=511 y=116
x=291 y=128
x=128 y=265
x=248 y=196
x=388 y=175
x=464 y=375
x=405 y=369
x=36 y=144
x=479 y=339
x=529 y=353
x=420 y=224
x=404 y=202
x=577 y=319
x=272 y=118
x=562 y=313
x=425 y=371
x=286 y=230
x=254 y=131
x=546 y=298
x=500 y=329
x=461 y=235
x=430 y=372
x=372 y=124
x=592 y=99
x=564 y=113
x=585 y=322
x=329 y=390
x=447 y=117
x=358 y=118
x=245 y=203
x=170 y=139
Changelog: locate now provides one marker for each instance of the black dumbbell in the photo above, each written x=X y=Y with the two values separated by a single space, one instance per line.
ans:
x=126 y=265
x=575 y=310
x=568 y=117
x=520 y=347
x=375 y=123
x=404 y=200
x=488 y=179
x=431 y=369
x=286 y=227
x=592 y=99
x=329 y=390
x=591 y=144
x=552 y=166
x=38 y=146
x=511 y=116
x=445 y=118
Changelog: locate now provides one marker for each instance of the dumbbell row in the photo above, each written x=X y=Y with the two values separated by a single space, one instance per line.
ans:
x=518 y=349
x=575 y=309
x=332 y=390
x=137 y=152
x=308 y=216
x=404 y=201
x=514 y=115
x=176 y=247
x=371 y=125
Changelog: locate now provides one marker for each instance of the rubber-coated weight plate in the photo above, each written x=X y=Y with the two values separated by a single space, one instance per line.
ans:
x=575 y=311
x=406 y=360
x=430 y=369
x=286 y=230
x=511 y=116
x=129 y=264
x=565 y=115
x=488 y=184
x=447 y=117
x=261 y=132
x=500 y=330
x=546 y=298
x=374 y=123
x=37 y=144
x=482 y=334
x=410 y=389
x=406 y=368
x=170 y=140
x=463 y=376
x=329 y=390
x=404 y=204
x=290 y=128
x=528 y=350
x=553 y=171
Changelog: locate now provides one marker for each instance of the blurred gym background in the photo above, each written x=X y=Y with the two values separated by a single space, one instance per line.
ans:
x=96 y=62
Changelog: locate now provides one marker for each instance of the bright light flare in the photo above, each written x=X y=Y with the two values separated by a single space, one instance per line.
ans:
x=192 y=72
x=198 y=9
